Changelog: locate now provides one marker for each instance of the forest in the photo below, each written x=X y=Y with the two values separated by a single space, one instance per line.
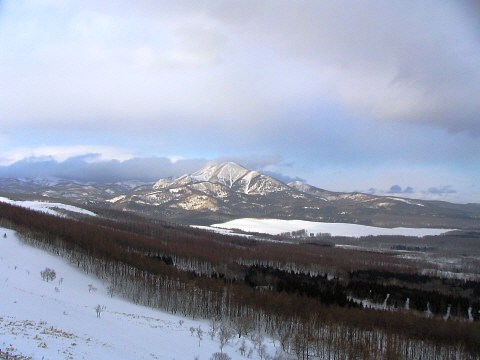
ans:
x=319 y=302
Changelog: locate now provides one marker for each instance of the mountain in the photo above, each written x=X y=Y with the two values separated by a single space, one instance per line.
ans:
x=226 y=191
x=228 y=175
x=221 y=192
x=86 y=193
x=218 y=191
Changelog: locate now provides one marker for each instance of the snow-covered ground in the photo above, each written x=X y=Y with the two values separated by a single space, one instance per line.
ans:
x=47 y=207
x=276 y=226
x=57 y=319
x=219 y=230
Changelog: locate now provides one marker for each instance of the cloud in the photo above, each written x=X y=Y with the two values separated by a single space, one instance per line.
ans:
x=399 y=60
x=284 y=178
x=443 y=190
x=256 y=161
x=387 y=85
x=397 y=189
x=82 y=169
x=158 y=66
x=61 y=153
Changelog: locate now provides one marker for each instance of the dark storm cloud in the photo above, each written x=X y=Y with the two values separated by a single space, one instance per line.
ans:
x=395 y=60
x=142 y=169
x=79 y=168
x=395 y=189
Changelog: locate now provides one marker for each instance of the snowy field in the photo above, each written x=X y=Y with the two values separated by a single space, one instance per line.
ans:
x=58 y=320
x=275 y=227
x=219 y=230
x=47 y=207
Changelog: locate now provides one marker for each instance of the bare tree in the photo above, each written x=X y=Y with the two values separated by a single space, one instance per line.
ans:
x=262 y=351
x=243 y=347
x=243 y=325
x=199 y=332
x=213 y=328
x=220 y=356
x=99 y=309
x=48 y=274
x=225 y=333
x=111 y=290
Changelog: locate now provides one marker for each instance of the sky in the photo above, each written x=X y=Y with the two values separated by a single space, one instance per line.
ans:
x=372 y=96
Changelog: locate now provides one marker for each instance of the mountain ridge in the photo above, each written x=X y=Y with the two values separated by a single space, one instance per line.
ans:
x=226 y=191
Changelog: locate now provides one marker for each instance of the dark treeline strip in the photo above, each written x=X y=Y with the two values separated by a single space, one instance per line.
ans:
x=420 y=289
x=302 y=324
x=420 y=300
x=332 y=290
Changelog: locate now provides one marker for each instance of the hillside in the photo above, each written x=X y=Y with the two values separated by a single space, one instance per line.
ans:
x=245 y=287
x=58 y=320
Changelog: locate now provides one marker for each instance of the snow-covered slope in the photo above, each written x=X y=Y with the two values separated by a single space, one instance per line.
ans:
x=308 y=189
x=51 y=208
x=227 y=173
x=275 y=227
x=230 y=175
x=57 y=319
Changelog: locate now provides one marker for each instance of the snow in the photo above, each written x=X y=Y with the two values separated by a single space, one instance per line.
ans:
x=247 y=180
x=57 y=319
x=299 y=185
x=47 y=207
x=117 y=199
x=226 y=173
x=219 y=230
x=231 y=173
x=405 y=201
x=276 y=226
x=205 y=173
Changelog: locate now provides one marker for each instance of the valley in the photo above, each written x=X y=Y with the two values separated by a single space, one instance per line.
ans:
x=374 y=287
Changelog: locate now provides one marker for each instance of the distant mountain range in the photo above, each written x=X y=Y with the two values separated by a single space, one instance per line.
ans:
x=221 y=192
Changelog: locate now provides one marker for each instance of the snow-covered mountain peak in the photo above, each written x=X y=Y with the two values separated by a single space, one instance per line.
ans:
x=226 y=173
